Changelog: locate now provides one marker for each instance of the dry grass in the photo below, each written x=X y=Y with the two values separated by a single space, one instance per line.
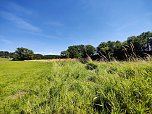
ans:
x=55 y=60
x=18 y=95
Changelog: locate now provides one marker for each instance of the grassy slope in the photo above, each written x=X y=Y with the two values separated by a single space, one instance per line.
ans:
x=68 y=87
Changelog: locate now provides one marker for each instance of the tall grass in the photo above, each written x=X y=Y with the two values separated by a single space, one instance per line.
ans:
x=70 y=87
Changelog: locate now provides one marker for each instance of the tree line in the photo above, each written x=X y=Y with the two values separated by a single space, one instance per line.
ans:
x=134 y=47
x=25 y=54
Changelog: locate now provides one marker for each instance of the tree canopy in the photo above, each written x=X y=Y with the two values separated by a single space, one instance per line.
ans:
x=23 y=54
x=134 y=46
x=78 y=51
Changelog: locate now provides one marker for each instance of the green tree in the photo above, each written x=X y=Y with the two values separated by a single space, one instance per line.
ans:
x=89 y=50
x=140 y=40
x=64 y=54
x=79 y=51
x=108 y=50
x=23 y=54
x=38 y=56
x=76 y=51
x=4 y=54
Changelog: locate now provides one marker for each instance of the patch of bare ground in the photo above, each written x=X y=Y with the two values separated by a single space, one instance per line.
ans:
x=18 y=95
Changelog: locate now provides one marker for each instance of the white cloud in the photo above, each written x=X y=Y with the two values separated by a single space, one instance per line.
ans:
x=26 y=26
x=19 y=22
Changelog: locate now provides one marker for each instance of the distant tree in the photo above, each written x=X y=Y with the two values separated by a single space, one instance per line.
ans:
x=140 y=40
x=104 y=50
x=38 y=56
x=11 y=54
x=4 y=54
x=64 y=54
x=23 y=54
x=51 y=56
x=78 y=51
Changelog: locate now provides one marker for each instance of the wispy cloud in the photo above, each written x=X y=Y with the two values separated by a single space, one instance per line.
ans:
x=19 y=22
x=18 y=8
x=15 y=8
x=15 y=16
x=26 y=26
x=5 y=41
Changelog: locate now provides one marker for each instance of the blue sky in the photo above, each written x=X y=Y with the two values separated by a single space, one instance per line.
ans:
x=50 y=26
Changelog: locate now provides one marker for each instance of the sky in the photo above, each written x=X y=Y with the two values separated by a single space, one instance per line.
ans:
x=50 y=26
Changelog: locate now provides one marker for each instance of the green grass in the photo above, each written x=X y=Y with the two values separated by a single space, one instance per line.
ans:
x=68 y=87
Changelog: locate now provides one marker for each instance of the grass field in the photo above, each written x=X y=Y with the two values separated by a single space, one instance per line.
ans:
x=68 y=87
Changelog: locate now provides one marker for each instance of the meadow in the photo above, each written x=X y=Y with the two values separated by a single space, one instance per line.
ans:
x=70 y=87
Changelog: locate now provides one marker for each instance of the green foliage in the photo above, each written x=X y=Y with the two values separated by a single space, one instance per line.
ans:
x=6 y=54
x=64 y=54
x=107 y=50
x=130 y=49
x=78 y=51
x=37 y=56
x=89 y=50
x=23 y=54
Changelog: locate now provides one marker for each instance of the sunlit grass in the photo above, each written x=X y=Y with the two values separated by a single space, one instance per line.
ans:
x=67 y=87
